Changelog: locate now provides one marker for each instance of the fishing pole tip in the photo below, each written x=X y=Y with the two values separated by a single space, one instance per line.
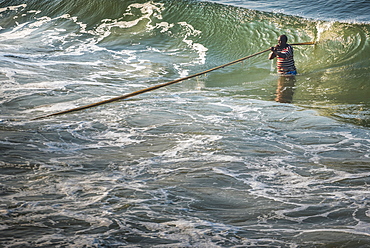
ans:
x=39 y=117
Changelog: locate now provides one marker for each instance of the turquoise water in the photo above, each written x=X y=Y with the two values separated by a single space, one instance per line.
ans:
x=239 y=157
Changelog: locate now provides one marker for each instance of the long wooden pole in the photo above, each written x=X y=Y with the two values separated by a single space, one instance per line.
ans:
x=159 y=85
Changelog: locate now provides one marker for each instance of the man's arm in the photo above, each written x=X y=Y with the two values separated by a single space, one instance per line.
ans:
x=272 y=55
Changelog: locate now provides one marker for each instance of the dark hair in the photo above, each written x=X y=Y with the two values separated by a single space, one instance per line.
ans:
x=284 y=37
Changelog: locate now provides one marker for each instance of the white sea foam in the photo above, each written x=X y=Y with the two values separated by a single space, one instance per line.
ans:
x=12 y=8
x=148 y=11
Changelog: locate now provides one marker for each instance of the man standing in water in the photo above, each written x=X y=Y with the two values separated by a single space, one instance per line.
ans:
x=285 y=67
x=284 y=54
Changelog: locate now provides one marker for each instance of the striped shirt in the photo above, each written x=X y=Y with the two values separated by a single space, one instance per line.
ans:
x=285 y=65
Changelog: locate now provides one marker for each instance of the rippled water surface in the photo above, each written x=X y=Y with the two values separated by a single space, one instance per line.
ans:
x=239 y=157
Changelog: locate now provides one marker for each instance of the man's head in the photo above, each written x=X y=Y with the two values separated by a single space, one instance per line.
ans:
x=283 y=39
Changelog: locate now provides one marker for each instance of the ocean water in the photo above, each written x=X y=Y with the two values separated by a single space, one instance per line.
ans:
x=239 y=157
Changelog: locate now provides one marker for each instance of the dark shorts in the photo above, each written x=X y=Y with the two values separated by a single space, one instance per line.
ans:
x=290 y=73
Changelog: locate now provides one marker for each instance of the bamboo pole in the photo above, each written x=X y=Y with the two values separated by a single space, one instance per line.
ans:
x=159 y=85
